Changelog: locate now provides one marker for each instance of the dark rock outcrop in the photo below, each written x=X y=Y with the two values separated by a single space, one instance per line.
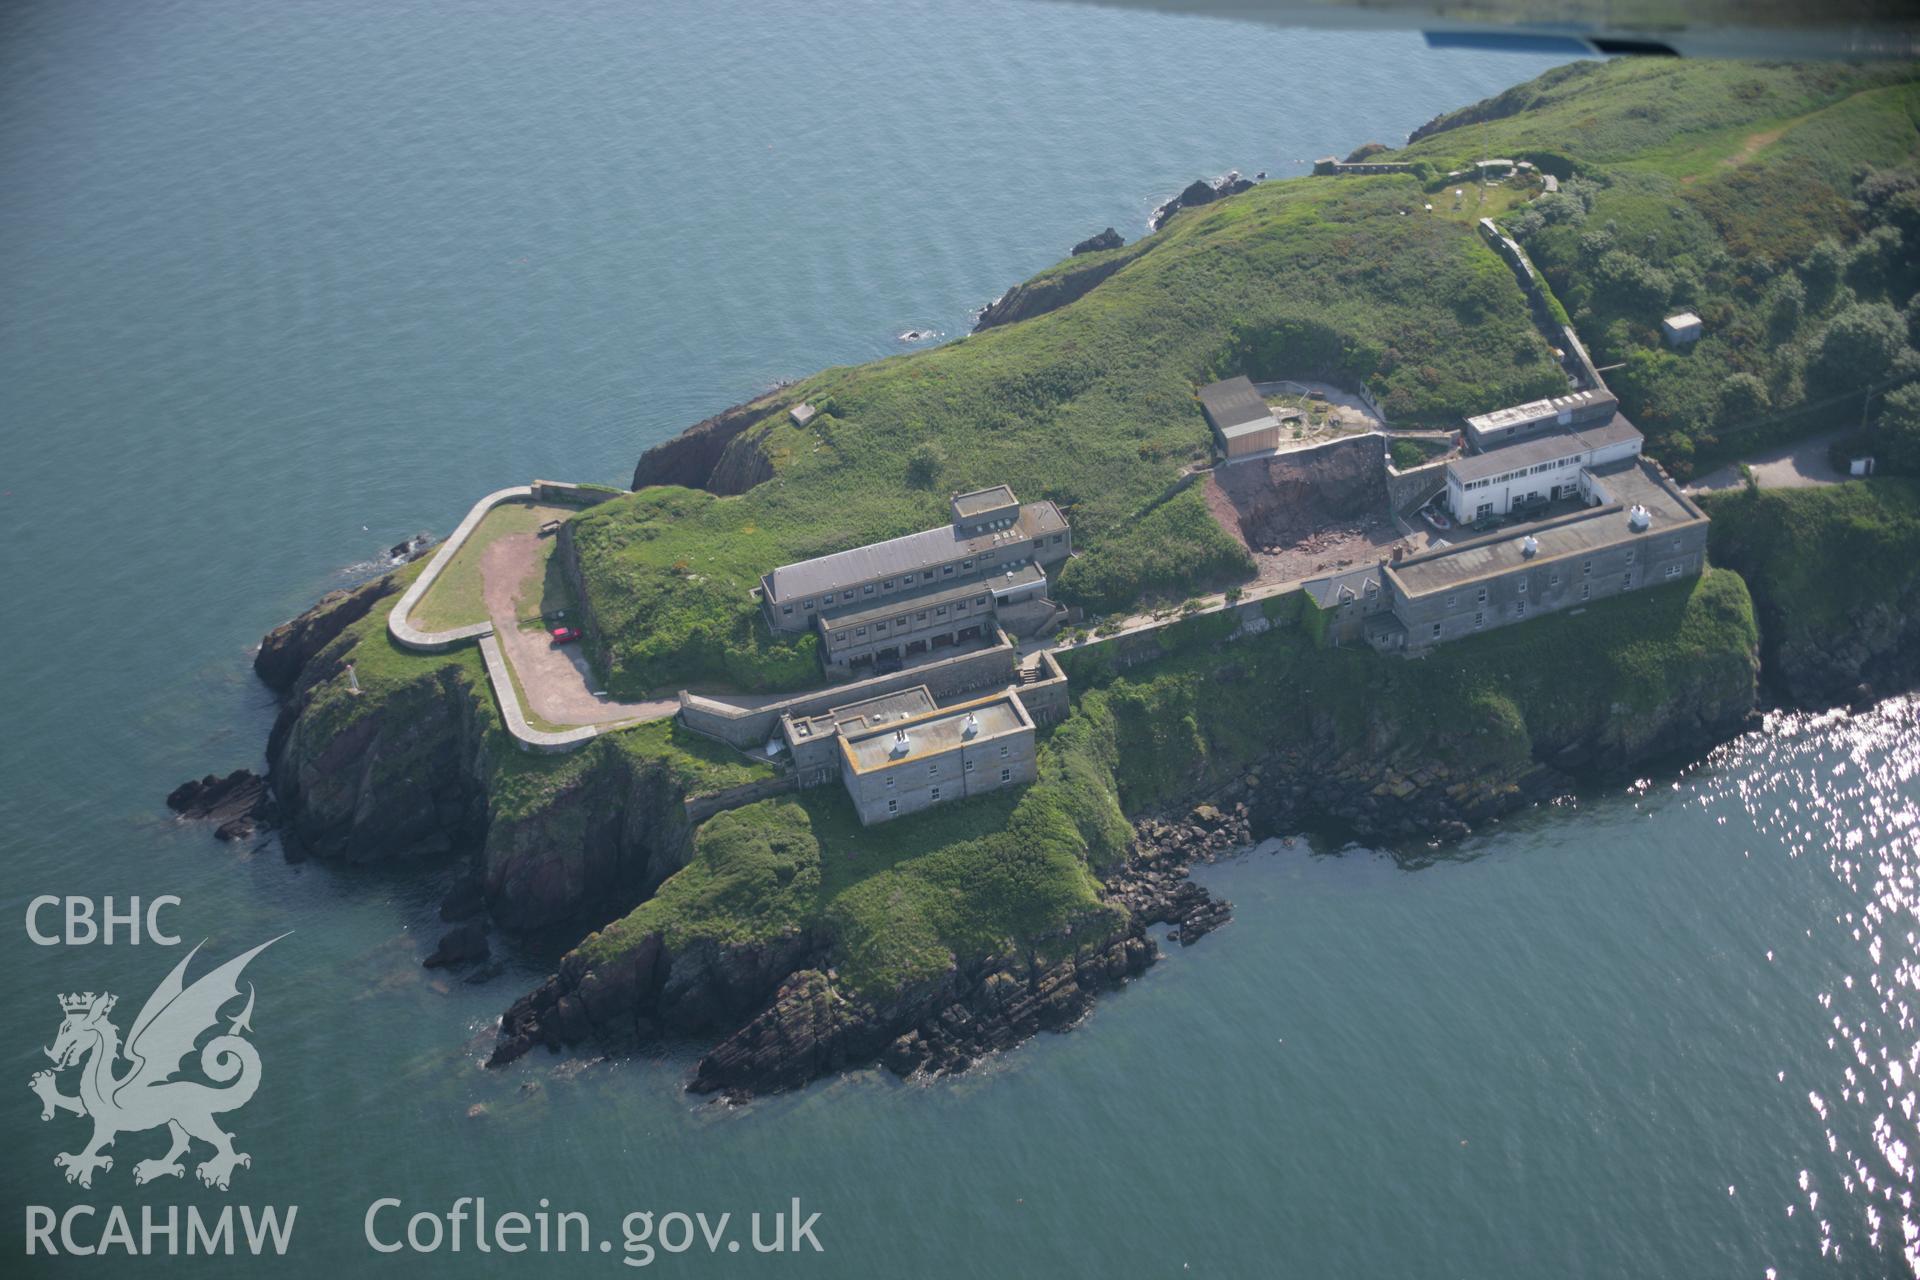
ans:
x=1108 y=239
x=1877 y=651
x=289 y=647
x=692 y=458
x=462 y=944
x=1200 y=192
x=240 y=803
x=1051 y=291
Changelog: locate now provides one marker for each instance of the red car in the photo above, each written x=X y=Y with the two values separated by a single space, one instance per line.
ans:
x=564 y=635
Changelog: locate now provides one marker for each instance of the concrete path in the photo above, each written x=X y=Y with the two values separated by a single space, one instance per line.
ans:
x=1800 y=465
x=558 y=683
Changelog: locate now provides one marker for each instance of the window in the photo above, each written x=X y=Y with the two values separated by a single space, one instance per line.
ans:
x=968 y=767
x=1483 y=596
x=1039 y=542
x=941 y=612
x=1586 y=568
x=966 y=565
x=947 y=570
x=887 y=585
x=961 y=606
x=1452 y=599
x=1674 y=570
x=806 y=604
x=1003 y=751
x=879 y=628
x=860 y=631
x=1676 y=544
x=933 y=769
x=893 y=806
x=933 y=793
x=1629 y=555
x=1479 y=621
x=1520 y=608
x=920 y=616
x=1056 y=539
x=1586 y=591
x=1006 y=775
x=786 y=608
x=889 y=782
x=867 y=590
x=901 y=622
x=1436 y=631
x=847 y=594
x=927 y=576
x=839 y=637
x=1626 y=579
x=1523 y=586
x=1553 y=579
x=986 y=557
x=979 y=599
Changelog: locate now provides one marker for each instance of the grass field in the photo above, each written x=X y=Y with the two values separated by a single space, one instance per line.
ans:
x=456 y=599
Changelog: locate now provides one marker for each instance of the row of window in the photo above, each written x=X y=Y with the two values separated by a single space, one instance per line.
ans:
x=933 y=766
x=828 y=600
x=933 y=793
x=900 y=623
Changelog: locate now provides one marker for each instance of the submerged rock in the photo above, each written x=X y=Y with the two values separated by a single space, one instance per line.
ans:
x=463 y=944
x=239 y=802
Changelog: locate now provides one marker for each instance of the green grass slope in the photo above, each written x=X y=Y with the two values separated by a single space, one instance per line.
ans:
x=1780 y=202
x=899 y=903
x=1091 y=405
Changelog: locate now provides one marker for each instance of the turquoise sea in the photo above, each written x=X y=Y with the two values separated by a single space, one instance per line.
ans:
x=280 y=284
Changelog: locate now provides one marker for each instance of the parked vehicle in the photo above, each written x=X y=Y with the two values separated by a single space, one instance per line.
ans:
x=1436 y=517
x=564 y=635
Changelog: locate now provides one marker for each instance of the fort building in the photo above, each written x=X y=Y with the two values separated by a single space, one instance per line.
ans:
x=1518 y=422
x=1640 y=531
x=1555 y=464
x=894 y=766
x=892 y=601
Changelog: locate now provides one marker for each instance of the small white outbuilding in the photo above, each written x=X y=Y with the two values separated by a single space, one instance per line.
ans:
x=1682 y=329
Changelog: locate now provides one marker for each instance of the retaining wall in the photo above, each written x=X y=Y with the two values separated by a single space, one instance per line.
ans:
x=1416 y=484
x=408 y=636
x=747 y=727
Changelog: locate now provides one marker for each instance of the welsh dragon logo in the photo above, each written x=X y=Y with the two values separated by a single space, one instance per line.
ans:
x=146 y=1095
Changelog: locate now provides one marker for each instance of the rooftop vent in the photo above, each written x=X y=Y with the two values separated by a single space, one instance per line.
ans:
x=1529 y=546
x=971 y=727
x=901 y=743
x=1638 y=518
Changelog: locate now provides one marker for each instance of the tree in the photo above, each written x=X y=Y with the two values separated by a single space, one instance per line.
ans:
x=1821 y=272
x=1860 y=345
x=923 y=465
x=1785 y=303
x=1743 y=397
x=1898 y=431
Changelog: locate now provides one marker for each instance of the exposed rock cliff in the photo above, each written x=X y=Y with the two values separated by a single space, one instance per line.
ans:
x=1200 y=192
x=694 y=458
x=1053 y=290
x=292 y=645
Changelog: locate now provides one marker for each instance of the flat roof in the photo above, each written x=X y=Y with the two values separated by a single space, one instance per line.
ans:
x=935 y=733
x=981 y=501
x=1234 y=403
x=1681 y=321
x=907 y=554
x=1535 y=410
x=1561 y=443
x=1630 y=481
x=866 y=713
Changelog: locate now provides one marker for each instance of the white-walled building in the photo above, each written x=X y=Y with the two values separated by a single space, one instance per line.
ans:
x=1537 y=470
x=1682 y=329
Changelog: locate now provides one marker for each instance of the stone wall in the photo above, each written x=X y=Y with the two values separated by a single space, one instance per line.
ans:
x=573 y=495
x=747 y=727
x=1405 y=488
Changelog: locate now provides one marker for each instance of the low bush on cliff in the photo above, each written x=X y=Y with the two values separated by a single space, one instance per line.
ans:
x=1815 y=556
x=897 y=902
x=1192 y=721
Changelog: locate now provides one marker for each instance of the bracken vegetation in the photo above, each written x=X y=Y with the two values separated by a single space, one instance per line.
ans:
x=1780 y=203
